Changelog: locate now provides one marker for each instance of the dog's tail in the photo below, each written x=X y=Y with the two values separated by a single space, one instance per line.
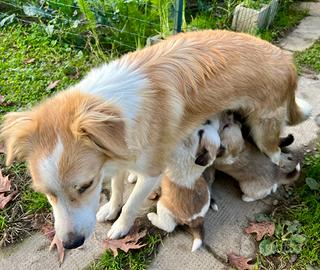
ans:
x=292 y=176
x=298 y=110
x=197 y=232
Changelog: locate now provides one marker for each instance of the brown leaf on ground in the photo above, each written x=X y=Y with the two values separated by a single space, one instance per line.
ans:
x=5 y=199
x=29 y=61
x=125 y=244
x=48 y=231
x=5 y=183
x=261 y=229
x=53 y=85
x=240 y=262
x=75 y=75
x=58 y=243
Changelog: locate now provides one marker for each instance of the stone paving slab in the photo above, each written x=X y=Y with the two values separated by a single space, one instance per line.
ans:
x=312 y=7
x=303 y=37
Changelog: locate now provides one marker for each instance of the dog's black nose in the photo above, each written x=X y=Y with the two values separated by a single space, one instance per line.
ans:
x=73 y=241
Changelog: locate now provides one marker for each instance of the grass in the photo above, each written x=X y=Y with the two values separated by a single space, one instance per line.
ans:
x=134 y=260
x=309 y=58
x=30 y=61
x=296 y=244
x=286 y=18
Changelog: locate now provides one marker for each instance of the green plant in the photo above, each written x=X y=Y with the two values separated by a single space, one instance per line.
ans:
x=34 y=202
x=135 y=259
x=255 y=4
x=309 y=58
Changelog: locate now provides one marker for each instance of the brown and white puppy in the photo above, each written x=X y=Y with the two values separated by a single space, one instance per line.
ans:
x=257 y=175
x=131 y=113
x=185 y=196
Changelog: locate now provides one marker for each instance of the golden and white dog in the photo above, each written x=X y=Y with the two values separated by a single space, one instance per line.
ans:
x=185 y=195
x=130 y=114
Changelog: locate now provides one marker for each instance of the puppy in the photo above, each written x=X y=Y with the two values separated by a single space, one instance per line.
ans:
x=130 y=115
x=185 y=196
x=254 y=171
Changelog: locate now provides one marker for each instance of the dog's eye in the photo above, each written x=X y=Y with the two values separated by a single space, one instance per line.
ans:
x=85 y=187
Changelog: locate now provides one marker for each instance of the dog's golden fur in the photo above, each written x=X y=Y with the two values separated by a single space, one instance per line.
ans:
x=185 y=80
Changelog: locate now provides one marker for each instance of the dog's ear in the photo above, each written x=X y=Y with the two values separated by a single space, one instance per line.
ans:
x=16 y=132
x=101 y=125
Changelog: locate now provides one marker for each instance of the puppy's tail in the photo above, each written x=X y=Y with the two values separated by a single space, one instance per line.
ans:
x=292 y=176
x=298 y=110
x=197 y=234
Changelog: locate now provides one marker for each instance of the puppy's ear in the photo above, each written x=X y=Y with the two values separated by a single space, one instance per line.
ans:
x=203 y=157
x=101 y=125
x=16 y=132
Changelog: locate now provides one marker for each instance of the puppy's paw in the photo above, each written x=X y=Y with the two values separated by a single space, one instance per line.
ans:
x=246 y=198
x=119 y=229
x=107 y=212
x=152 y=217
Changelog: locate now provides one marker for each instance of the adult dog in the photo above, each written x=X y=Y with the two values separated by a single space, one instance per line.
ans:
x=131 y=113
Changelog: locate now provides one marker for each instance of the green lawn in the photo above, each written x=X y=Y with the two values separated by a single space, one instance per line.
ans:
x=309 y=58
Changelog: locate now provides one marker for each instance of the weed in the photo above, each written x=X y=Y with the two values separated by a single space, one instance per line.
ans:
x=296 y=243
x=135 y=259
x=309 y=58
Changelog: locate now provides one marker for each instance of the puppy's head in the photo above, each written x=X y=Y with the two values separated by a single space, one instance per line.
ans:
x=232 y=142
x=209 y=143
x=66 y=142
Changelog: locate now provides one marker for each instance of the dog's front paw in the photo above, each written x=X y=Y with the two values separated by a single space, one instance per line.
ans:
x=119 y=229
x=107 y=212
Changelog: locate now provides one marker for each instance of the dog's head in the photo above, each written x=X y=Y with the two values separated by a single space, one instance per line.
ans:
x=208 y=143
x=66 y=142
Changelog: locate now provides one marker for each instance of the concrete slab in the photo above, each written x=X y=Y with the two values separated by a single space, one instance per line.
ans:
x=312 y=7
x=303 y=37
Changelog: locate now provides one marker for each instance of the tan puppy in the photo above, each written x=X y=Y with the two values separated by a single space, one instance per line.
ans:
x=130 y=114
x=257 y=175
x=185 y=196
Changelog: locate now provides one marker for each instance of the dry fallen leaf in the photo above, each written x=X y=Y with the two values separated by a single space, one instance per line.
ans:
x=261 y=229
x=5 y=199
x=58 y=243
x=53 y=85
x=48 y=231
x=29 y=61
x=240 y=262
x=129 y=242
x=5 y=183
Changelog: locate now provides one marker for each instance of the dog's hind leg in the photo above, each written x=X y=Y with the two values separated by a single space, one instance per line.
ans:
x=266 y=130
x=110 y=210
x=163 y=219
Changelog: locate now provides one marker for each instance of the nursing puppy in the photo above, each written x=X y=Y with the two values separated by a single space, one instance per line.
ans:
x=185 y=196
x=130 y=114
x=257 y=175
